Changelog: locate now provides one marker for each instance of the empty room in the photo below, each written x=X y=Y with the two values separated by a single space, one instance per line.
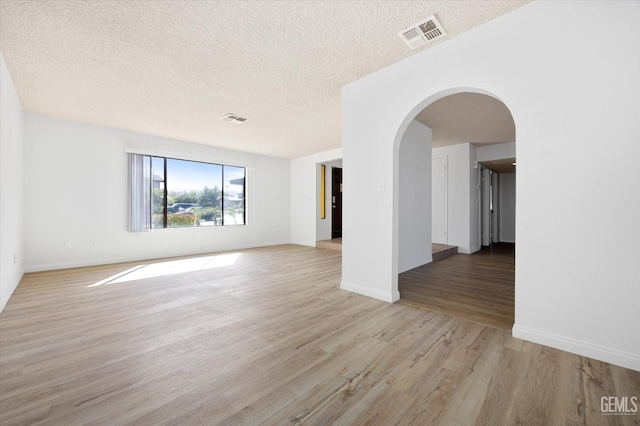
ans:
x=216 y=212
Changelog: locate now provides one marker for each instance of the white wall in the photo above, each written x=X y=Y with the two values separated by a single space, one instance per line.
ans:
x=11 y=187
x=323 y=226
x=304 y=189
x=414 y=244
x=459 y=178
x=507 y=207
x=76 y=192
x=497 y=151
x=553 y=82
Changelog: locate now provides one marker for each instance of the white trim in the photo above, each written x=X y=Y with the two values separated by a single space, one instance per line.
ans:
x=112 y=260
x=579 y=347
x=6 y=295
x=304 y=243
x=444 y=157
x=198 y=159
x=367 y=291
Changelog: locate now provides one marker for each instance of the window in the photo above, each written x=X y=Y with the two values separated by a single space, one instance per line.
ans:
x=184 y=193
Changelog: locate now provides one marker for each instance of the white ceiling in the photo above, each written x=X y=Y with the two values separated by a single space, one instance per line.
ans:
x=468 y=117
x=173 y=68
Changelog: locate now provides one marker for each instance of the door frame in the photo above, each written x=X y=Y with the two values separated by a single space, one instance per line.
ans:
x=486 y=206
x=334 y=191
x=446 y=197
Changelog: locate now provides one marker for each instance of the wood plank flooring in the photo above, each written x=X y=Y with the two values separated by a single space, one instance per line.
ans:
x=477 y=287
x=265 y=336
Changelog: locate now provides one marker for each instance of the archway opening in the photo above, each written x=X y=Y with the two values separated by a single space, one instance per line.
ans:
x=454 y=169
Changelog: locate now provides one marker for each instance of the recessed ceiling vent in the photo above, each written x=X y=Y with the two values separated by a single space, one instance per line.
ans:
x=422 y=33
x=235 y=119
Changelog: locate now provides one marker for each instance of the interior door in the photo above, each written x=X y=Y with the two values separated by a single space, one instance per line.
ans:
x=486 y=206
x=495 y=210
x=336 y=202
x=439 y=200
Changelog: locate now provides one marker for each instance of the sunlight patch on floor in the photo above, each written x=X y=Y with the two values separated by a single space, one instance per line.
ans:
x=171 y=267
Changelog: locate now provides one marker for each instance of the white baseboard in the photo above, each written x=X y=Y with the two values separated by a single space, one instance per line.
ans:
x=124 y=259
x=390 y=297
x=303 y=243
x=579 y=347
x=6 y=293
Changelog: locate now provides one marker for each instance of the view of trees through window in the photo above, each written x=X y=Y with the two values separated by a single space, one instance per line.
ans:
x=191 y=193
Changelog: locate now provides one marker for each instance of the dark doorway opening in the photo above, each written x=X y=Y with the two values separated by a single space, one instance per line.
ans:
x=336 y=202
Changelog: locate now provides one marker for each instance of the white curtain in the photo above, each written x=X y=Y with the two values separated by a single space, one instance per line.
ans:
x=140 y=189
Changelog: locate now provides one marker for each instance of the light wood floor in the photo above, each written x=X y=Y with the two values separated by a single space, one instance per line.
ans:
x=267 y=337
x=477 y=287
x=333 y=244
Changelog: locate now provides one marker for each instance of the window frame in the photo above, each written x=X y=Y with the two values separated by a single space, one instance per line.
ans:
x=222 y=191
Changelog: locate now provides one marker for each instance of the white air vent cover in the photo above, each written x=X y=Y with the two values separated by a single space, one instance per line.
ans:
x=422 y=33
x=236 y=119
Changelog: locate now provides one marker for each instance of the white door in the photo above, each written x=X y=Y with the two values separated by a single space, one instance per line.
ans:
x=439 y=200
x=495 y=211
x=486 y=206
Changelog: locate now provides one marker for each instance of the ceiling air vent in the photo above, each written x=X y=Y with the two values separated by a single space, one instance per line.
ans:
x=236 y=119
x=422 y=33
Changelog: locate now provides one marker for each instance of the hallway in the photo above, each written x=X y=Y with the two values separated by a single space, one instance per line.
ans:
x=477 y=287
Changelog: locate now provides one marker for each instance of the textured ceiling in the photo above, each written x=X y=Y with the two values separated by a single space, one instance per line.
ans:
x=468 y=117
x=173 y=68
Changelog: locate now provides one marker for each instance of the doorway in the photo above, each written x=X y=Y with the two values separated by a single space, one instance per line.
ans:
x=486 y=206
x=498 y=201
x=479 y=283
x=439 y=200
x=336 y=202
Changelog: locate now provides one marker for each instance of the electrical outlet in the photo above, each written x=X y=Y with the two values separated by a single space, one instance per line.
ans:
x=15 y=258
x=92 y=244
x=68 y=245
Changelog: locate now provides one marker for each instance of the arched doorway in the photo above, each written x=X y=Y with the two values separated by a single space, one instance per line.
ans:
x=472 y=131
